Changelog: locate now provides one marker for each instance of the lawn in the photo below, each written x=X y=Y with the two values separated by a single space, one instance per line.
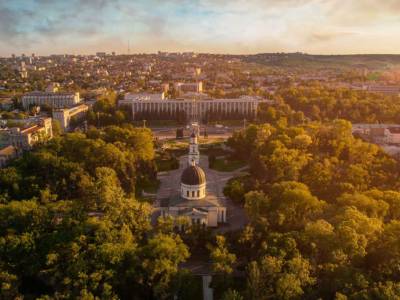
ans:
x=148 y=188
x=164 y=165
x=226 y=165
x=152 y=187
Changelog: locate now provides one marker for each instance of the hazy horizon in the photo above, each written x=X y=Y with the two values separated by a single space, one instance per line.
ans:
x=315 y=27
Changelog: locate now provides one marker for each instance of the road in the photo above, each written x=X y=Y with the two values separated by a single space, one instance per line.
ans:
x=212 y=131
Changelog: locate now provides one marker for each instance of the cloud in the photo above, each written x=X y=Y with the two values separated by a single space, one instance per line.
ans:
x=217 y=25
x=324 y=36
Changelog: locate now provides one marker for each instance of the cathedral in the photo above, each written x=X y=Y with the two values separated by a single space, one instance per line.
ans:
x=194 y=201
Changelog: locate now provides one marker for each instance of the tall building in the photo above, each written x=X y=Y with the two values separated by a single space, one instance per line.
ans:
x=54 y=100
x=23 y=72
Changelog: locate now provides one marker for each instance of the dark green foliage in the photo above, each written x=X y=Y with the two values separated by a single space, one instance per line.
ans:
x=82 y=234
x=324 y=213
x=322 y=103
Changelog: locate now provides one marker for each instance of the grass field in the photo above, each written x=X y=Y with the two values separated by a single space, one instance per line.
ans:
x=152 y=187
x=167 y=164
x=226 y=165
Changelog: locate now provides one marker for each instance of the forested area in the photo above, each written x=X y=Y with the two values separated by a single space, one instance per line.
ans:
x=71 y=227
x=323 y=103
x=323 y=209
x=324 y=212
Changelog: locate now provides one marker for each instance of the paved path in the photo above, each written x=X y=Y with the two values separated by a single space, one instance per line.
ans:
x=216 y=181
x=207 y=291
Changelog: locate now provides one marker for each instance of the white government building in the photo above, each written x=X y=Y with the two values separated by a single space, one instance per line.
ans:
x=194 y=202
x=52 y=99
x=196 y=108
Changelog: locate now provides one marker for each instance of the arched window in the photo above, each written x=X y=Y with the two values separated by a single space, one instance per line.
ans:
x=198 y=193
x=192 y=193
x=187 y=193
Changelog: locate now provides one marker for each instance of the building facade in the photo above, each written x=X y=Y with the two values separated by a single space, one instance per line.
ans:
x=194 y=202
x=65 y=115
x=129 y=98
x=198 y=109
x=54 y=100
x=196 y=87
x=25 y=138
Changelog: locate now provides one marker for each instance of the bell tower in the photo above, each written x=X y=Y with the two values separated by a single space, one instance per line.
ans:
x=194 y=154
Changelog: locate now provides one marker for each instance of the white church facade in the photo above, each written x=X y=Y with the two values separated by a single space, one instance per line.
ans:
x=194 y=201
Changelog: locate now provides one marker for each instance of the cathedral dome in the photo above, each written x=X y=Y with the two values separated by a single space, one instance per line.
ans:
x=193 y=175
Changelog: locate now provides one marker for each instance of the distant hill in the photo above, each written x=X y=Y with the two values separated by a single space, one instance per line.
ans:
x=369 y=61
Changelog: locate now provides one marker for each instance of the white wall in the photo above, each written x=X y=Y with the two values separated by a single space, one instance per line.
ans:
x=193 y=188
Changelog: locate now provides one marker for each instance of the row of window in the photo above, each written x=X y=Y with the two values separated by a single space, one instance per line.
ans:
x=194 y=193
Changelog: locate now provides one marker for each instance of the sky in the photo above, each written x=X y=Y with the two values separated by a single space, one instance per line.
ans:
x=216 y=26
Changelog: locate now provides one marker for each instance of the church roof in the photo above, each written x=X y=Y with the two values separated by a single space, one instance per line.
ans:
x=194 y=212
x=193 y=175
x=177 y=201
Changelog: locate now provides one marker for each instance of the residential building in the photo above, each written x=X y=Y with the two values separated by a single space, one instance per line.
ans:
x=65 y=115
x=196 y=87
x=53 y=87
x=25 y=138
x=384 y=89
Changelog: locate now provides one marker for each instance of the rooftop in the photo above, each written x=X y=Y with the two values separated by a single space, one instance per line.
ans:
x=177 y=201
x=6 y=151
x=193 y=175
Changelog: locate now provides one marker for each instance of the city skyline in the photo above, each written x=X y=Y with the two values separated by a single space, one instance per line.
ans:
x=236 y=27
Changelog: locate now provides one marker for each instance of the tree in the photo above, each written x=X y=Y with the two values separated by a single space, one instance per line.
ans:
x=289 y=206
x=276 y=278
x=385 y=254
x=232 y=295
x=161 y=257
x=56 y=127
x=222 y=259
x=9 y=286
x=369 y=206
x=235 y=190
x=355 y=231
